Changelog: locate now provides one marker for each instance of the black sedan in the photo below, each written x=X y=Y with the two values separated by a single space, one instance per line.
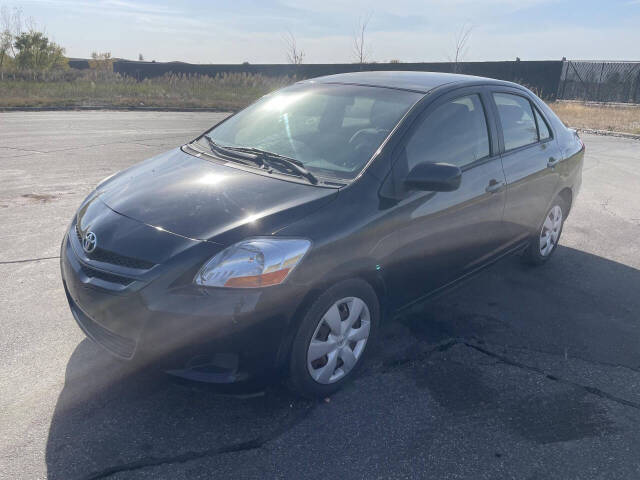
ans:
x=274 y=244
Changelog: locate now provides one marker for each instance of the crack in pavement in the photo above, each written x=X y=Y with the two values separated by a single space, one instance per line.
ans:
x=21 y=149
x=422 y=355
x=448 y=344
x=178 y=138
x=592 y=390
x=25 y=260
x=572 y=356
x=248 y=445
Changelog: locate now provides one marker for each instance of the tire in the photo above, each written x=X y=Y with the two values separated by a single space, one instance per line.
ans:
x=326 y=323
x=544 y=243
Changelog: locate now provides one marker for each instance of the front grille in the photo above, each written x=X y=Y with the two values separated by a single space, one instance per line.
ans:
x=107 y=277
x=106 y=256
x=116 y=344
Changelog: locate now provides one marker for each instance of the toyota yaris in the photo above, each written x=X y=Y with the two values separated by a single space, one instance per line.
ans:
x=276 y=242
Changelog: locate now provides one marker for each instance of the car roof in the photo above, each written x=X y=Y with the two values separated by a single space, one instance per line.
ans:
x=405 y=80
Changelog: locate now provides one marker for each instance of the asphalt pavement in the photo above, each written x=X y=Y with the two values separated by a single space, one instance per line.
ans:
x=524 y=373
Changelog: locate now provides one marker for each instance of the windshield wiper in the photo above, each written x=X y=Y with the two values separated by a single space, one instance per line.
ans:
x=276 y=160
x=263 y=159
x=234 y=153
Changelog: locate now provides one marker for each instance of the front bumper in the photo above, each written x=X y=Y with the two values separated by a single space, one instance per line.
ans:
x=208 y=334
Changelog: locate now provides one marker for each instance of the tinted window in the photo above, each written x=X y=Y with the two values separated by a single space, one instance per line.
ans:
x=543 y=129
x=333 y=130
x=516 y=117
x=455 y=133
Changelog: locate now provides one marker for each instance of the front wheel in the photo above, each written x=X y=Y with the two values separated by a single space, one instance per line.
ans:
x=544 y=243
x=334 y=338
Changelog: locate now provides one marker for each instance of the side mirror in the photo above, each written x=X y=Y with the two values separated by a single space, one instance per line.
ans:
x=434 y=177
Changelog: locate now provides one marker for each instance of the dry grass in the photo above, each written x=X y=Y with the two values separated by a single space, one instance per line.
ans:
x=614 y=118
x=224 y=92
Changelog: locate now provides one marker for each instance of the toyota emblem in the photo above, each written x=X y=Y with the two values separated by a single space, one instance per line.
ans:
x=89 y=242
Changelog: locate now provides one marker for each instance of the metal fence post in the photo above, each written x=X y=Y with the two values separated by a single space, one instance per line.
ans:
x=635 y=90
x=599 y=83
x=563 y=79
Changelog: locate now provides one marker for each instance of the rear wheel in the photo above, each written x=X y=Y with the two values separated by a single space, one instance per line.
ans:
x=334 y=338
x=544 y=243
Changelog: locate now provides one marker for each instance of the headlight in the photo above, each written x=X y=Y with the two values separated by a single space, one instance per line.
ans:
x=256 y=262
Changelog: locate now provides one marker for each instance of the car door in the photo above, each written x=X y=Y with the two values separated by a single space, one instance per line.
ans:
x=432 y=238
x=530 y=153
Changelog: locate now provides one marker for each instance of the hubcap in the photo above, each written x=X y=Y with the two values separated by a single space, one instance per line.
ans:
x=550 y=231
x=339 y=340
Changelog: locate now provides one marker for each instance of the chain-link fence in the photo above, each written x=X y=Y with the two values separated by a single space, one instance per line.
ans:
x=541 y=76
x=600 y=81
x=603 y=81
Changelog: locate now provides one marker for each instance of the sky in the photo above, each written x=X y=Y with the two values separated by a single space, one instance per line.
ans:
x=235 y=31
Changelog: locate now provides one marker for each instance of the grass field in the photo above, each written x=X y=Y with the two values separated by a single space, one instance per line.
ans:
x=614 y=118
x=104 y=89
x=228 y=92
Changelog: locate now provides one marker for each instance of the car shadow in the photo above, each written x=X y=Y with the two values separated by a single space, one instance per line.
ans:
x=111 y=417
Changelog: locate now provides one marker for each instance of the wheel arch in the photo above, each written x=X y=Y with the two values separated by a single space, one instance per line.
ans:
x=566 y=194
x=355 y=270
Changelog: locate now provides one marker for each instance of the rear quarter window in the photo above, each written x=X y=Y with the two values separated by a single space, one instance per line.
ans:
x=543 y=128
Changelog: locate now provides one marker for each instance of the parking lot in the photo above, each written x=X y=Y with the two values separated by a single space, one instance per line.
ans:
x=525 y=373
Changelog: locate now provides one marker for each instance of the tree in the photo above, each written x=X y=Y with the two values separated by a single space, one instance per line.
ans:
x=295 y=55
x=361 y=50
x=6 y=44
x=140 y=57
x=35 y=51
x=10 y=28
x=101 y=61
x=461 y=39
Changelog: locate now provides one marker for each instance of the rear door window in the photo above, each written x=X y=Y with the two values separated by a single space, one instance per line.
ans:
x=516 y=116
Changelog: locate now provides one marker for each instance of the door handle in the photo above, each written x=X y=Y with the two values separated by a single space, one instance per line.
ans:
x=552 y=162
x=494 y=186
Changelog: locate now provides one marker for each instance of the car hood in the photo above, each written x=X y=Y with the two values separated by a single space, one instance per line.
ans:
x=207 y=200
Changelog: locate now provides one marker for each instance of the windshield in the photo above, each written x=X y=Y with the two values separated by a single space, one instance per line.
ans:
x=330 y=130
